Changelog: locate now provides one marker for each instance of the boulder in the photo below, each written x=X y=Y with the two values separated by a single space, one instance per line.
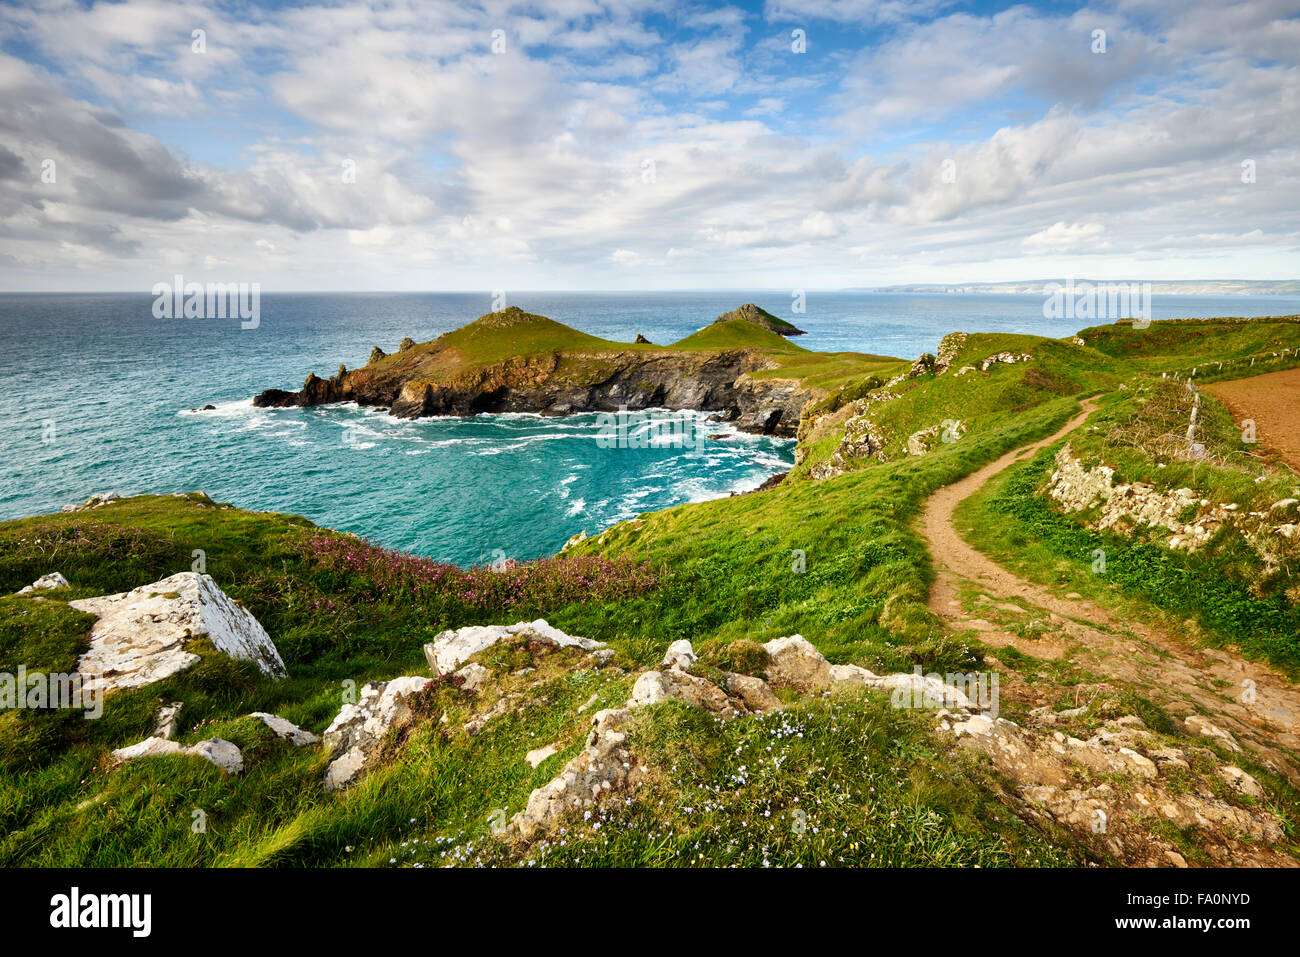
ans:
x=1240 y=782
x=141 y=635
x=795 y=663
x=680 y=655
x=605 y=764
x=356 y=733
x=756 y=694
x=168 y=724
x=283 y=728
x=1195 y=724
x=218 y=751
x=48 y=582
x=452 y=648
x=673 y=683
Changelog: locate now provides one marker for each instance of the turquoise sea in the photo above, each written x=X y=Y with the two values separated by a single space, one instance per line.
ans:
x=97 y=396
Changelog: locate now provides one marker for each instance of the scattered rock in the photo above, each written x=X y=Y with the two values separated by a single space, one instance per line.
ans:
x=283 y=728
x=680 y=655
x=1195 y=724
x=756 y=694
x=923 y=440
x=450 y=649
x=538 y=755
x=1240 y=781
x=604 y=765
x=655 y=686
x=356 y=733
x=49 y=582
x=140 y=636
x=503 y=704
x=795 y=663
x=95 y=501
x=218 y=751
x=168 y=724
x=473 y=676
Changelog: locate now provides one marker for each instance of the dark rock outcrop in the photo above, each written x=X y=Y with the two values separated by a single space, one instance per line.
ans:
x=561 y=383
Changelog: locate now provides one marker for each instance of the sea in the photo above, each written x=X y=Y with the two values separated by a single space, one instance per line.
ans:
x=98 y=395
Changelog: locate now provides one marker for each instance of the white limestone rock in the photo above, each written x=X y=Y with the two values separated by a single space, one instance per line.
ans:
x=474 y=676
x=140 y=636
x=283 y=728
x=452 y=648
x=1195 y=724
x=604 y=765
x=218 y=751
x=680 y=654
x=796 y=663
x=49 y=582
x=538 y=755
x=168 y=724
x=354 y=736
x=95 y=501
x=673 y=683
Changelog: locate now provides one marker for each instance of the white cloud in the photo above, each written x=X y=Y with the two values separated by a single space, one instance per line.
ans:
x=955 y=138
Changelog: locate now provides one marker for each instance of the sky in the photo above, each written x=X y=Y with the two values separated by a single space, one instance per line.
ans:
x=646 y=144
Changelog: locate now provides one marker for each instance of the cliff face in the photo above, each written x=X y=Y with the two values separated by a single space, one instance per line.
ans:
x=442 y=378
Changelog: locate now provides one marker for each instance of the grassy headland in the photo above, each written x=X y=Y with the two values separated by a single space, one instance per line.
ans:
x=831 y=554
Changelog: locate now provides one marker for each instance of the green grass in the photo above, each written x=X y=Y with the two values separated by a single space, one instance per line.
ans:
x=1012 y=523
x=837 y=561
x=825 y=783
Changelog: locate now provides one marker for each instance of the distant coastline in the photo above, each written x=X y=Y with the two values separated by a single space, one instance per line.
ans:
x=1179 y=287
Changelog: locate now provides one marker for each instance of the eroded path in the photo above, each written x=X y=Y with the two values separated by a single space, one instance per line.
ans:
x=1158 y=665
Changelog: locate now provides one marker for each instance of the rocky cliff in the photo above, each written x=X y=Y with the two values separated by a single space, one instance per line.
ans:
x=516 y=362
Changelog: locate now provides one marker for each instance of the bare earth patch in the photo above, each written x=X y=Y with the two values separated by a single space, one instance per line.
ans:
x=1273 y=401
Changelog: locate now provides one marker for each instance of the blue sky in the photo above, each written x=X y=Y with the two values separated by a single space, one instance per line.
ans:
x=641 y=145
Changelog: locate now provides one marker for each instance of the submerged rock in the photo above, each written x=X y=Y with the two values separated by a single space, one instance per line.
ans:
x=141 y=635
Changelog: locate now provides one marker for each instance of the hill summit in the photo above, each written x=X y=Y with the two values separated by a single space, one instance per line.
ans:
x=752 y=313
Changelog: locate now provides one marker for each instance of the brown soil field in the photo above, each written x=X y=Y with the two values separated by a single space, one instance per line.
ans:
x=1273 y=401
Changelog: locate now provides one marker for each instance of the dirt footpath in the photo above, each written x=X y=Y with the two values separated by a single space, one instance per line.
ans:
x=1183 y=679
x=1273 y=401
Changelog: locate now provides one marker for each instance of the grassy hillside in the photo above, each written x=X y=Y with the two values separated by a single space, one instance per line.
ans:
x=838 y=560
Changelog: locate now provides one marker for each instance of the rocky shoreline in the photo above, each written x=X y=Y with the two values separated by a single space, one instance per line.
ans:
x=434 y=379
